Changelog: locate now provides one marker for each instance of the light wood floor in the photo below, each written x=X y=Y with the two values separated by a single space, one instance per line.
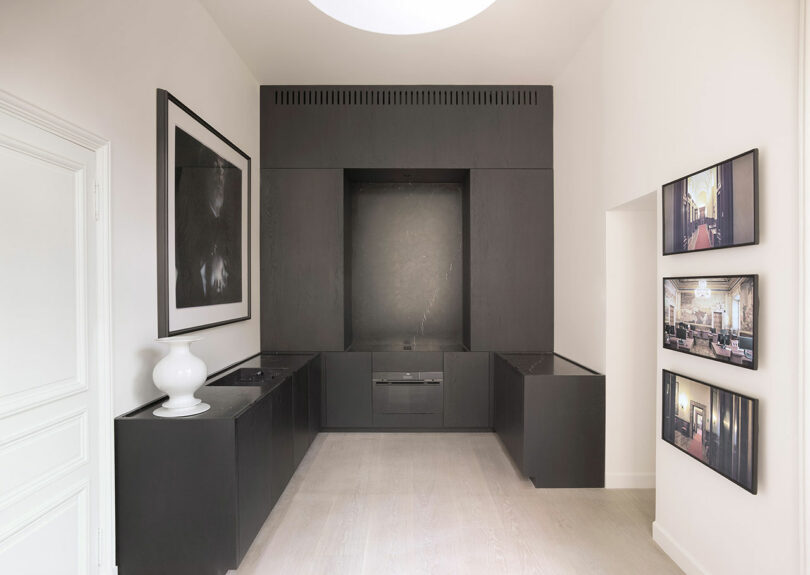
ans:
x=412 y=503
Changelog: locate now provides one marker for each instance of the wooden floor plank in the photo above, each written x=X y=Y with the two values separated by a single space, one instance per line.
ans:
x=445 y=503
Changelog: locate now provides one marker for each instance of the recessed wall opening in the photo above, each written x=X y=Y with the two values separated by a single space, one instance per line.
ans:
x=406 y=258
x=631 y=317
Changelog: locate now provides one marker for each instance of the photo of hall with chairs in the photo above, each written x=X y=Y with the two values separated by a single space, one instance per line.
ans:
x=714 y=208
x=713 y=317
x=713 y=425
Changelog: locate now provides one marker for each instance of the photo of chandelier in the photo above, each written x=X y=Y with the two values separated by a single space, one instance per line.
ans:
x=702 y=291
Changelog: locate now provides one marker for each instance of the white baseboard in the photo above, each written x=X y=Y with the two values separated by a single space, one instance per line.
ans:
x=681 y=556
x=630 y=480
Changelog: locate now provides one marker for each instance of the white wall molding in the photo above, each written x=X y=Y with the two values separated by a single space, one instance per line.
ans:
x=804 y=297
x=681 y=556
x=55 y=125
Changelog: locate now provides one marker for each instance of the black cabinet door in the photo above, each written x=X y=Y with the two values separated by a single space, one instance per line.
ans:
x=348 y=389
x=281 y=439
x=315 y=396
x=511 y=260
x=300 y=414
x=253 y=468
x=302 y=260
x=466 y=389
x=509 y=411
x=175 y=485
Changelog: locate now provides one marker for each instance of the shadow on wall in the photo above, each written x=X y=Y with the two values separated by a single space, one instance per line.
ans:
x=148 y=357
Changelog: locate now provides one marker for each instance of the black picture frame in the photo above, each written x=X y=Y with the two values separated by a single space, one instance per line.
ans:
x=715 y=457
x=664 y=212
x=171 y=113
x=666 y=335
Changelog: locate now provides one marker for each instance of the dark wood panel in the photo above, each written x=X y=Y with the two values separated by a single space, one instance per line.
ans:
x=347 y=387
x=466 y=389
x=409 y=127
x=164 y=480
x=254 y=465
x=315 y=397
x=407 y=361
x=509 y=411
x=302 y=260
x=300 y=415
x=565 y=432
x=511 y=260
x=282 y=439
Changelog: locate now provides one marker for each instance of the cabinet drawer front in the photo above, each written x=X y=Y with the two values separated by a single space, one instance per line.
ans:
x=408 y=361
x=407 y=398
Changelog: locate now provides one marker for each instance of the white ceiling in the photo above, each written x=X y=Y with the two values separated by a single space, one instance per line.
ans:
x=511 y=42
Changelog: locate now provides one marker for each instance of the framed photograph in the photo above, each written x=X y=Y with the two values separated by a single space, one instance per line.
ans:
x=713 y=317
x=716 y=426
x=714 y=208
x=203 y=223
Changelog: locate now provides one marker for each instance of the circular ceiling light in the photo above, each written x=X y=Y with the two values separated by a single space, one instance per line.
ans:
x=401 y=16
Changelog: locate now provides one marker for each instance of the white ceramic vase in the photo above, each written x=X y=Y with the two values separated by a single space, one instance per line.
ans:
x=179 y=374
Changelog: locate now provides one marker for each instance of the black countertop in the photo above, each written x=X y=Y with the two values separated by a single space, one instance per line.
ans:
x=544 y=364
x=227 y=394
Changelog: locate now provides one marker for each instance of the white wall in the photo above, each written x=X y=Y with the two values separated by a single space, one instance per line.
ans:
x=659 y=90
x=97 y=63
x=631 y=268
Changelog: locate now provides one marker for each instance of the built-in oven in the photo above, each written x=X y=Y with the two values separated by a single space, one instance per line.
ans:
x=408 y=399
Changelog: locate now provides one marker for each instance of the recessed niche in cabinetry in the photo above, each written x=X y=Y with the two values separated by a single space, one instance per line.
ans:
x=406 y=259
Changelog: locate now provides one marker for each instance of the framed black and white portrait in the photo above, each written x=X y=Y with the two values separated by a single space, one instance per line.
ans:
x=203 y=210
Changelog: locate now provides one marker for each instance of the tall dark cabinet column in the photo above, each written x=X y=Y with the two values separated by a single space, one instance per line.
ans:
x=511 y=260
x=302 y=260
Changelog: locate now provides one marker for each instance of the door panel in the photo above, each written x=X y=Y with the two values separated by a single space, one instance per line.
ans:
x=49 y=399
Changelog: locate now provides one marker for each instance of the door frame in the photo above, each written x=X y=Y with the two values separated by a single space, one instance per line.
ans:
x=35 y=116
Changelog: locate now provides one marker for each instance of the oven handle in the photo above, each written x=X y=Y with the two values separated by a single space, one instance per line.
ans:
x=406 y=382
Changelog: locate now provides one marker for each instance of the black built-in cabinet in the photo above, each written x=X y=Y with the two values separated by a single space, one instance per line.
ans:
x=320 y=143
x=348 y=388
x=550 y=416
x=192 y=493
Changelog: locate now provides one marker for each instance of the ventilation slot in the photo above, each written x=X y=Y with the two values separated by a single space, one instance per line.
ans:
x=414 y=97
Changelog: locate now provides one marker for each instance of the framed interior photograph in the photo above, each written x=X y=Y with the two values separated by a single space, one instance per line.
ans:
x=713 y=317
x=716 y=426
x=203 y=223
x=714 y=208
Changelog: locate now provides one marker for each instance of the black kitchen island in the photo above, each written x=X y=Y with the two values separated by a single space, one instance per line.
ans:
x=550 y=416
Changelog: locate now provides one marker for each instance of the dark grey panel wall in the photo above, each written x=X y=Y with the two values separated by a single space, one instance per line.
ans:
x=511 y=260
x=302 y=260
x=406 y=127
x=406 y=262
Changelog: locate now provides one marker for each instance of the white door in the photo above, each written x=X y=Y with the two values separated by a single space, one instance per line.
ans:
x=49 y=375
